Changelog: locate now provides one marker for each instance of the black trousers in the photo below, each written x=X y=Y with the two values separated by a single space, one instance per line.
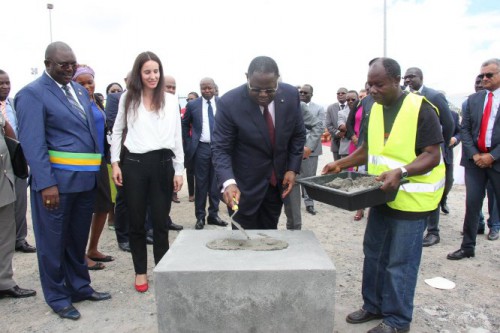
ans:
x=476 y=180
x=148 y=178
x=268 y=214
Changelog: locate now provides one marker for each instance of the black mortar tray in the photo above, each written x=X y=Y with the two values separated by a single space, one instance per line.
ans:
x=346 y=200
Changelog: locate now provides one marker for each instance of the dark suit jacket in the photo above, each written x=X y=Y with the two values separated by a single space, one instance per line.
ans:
x=448 y=151
x=193 y=121
x=47 y=121
x=111 y=110
x=242 y=148
x=445 y=118
x=469 y=130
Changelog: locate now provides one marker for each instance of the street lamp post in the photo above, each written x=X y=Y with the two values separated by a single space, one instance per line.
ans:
x=50 y=7
x=385 y=28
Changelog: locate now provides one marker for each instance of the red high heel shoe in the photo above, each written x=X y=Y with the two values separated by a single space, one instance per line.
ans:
x=142 y=288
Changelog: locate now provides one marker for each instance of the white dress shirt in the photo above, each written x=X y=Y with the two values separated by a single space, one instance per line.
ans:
x=149 y=131
x=205 y=128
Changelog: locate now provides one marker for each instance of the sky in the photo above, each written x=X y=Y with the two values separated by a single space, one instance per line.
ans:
x=327 y=44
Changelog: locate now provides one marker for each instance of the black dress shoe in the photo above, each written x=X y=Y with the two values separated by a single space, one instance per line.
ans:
x=200 y=224
x=459 y=254
x=493 y=235
x=26 y=248
x=444 y=208
x=480 y=230
x=430 y=240
x=311 y=210
x=175 y=227
x=384 y=328
x=97 y=296
x=216 y=221
x=361 y=316
x=69 y=312
x=125 y=246
x=149 y=240
x=17 y=292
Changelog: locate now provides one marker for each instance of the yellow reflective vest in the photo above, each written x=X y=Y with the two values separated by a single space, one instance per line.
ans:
x=423 y=192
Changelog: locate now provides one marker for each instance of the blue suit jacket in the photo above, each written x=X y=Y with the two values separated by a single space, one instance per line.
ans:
x=47 y=121
x=241 y=146
x=193 y=121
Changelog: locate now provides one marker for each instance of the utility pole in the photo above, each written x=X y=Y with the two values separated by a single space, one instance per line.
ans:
x=50 y=7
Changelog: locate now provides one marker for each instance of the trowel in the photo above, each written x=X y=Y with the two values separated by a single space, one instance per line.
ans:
x=235 y=209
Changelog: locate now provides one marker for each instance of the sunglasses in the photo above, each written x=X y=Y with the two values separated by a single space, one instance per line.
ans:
x=341 y=93
x=266 y=91
x=488 y=75
x=303 y=93
x=351 y=99
x=64 y=65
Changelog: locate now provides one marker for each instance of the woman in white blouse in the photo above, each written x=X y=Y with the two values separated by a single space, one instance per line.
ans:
x=147 y=160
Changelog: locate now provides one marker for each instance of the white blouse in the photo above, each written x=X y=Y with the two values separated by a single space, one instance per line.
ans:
x=149 y=131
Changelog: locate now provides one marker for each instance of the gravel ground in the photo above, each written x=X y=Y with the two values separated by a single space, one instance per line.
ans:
x=472 y=306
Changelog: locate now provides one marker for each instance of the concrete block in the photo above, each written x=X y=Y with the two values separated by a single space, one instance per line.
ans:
x=202 y=290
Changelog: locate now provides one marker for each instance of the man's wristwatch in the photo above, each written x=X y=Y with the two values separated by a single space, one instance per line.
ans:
x=404 y=172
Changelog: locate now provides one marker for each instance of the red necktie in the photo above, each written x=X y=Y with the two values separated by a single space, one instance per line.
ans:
x=481 y=141
x=270 y=129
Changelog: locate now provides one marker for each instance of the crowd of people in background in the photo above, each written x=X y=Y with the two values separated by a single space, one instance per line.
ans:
x=122 y=158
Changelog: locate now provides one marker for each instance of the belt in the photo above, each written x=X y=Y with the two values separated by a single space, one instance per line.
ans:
x=75 y=161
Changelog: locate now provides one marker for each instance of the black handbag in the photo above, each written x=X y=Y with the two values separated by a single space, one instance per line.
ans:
x=19 y=164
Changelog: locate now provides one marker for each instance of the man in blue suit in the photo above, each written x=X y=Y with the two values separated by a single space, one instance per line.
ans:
x=257 y=145
x=199 y=121
x=58 y=136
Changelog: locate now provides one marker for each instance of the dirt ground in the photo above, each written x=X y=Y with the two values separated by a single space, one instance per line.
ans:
x=472 y=306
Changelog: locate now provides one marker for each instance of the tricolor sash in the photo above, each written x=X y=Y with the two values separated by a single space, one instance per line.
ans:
x=75 y=161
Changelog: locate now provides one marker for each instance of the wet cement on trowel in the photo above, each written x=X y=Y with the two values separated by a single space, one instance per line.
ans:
x=354 y=185
x=265 y=243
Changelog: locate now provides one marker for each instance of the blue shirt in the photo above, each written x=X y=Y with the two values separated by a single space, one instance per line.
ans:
x=11 y=115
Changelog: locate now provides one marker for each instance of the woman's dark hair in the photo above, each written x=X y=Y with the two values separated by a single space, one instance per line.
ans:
x=112 y=84
x=134 y=85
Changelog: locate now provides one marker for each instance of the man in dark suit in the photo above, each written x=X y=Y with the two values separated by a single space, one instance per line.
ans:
x=121 y=216
x=257 y=145
x=480 y=132
x=199 y=118
x=414 y=80
x=448 y=161
x=58 y=135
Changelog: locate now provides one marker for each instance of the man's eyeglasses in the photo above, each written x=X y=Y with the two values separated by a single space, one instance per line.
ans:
x=488 y=75
x=410 y=76
x=351 y=99
x=266 y=91
x=64 y=65
x=303 y=93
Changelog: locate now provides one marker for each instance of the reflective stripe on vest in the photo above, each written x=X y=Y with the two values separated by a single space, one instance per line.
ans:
x=423 y=192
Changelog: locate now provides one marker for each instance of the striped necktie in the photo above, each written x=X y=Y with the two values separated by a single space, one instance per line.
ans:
x=73 y=102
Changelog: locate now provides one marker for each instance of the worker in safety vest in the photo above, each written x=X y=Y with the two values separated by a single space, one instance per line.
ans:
x=402 y=140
